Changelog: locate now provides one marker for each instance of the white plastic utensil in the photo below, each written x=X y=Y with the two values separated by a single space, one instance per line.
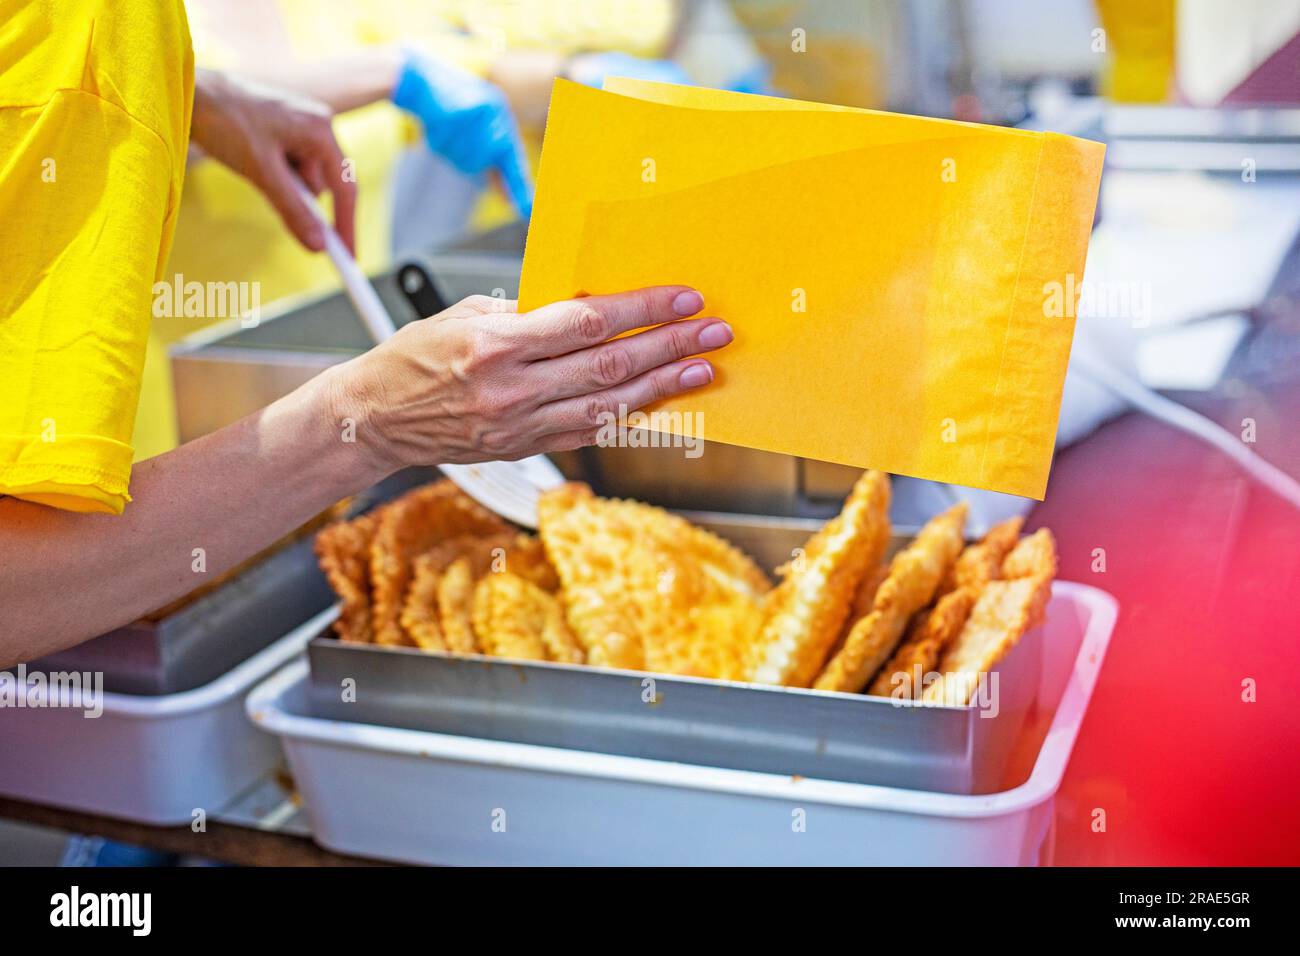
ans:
x=1193 y=423
x=509 y=488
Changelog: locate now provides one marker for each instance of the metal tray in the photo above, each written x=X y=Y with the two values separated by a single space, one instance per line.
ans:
x=207 y=637
x=806 y=733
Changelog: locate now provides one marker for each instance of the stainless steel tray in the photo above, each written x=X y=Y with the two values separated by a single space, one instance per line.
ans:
x=208 y=636
x=807 y=733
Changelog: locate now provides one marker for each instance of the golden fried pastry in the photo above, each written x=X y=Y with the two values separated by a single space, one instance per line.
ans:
x=343 y=550
x=1034 y=556
x=646 y=589
x=933 y=629
x=802 y=617
x=561 y=643
x=914 y=576
x=865 y=599
x=408 y=527
x=622 y=584
x=515 y=618
x=1005 y=610
x=715 y=639
x=862 y=602
x=527 y=558
x=456 y=607
x=982 y=562
x=508 y=621
x=420 y=608
x=929 y=633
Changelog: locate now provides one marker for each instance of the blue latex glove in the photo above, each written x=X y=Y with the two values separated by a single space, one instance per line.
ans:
x=592 y=68
x=757 y=79
x=467 y=121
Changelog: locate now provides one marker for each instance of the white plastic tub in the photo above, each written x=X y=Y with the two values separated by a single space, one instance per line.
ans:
x=151 y=759
x=420 y=797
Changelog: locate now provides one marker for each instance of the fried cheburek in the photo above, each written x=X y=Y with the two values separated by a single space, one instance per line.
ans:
x=930 y=631
x=645 y=589
x=420 y=608
x=515 y=618
x=933 y=629
x=343 y=550
x=622 y=584
x=1033 y=556
x=803 y=615
x=914 y=576
x=862 y=602
x=982 y=562
x=527 y=558
x=407 y=528
x=1005 y=610
x=456 y=607
x=866 y=596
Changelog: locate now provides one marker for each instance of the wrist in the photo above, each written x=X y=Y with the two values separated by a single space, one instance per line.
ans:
x=338 y=426
x=390 y=64
x=408 y=91
x=353 y=412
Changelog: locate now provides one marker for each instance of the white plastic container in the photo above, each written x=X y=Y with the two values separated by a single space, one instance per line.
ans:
x=420 y=797
x=150 y=759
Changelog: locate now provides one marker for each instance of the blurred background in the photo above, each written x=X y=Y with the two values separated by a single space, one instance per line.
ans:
x=1200 y=200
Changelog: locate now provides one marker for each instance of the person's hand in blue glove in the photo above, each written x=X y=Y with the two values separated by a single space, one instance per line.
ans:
x=467 y=121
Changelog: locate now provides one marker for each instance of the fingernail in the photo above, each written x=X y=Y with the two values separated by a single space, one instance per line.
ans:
x=688 y=303
x=715 y=336
x=696 y=375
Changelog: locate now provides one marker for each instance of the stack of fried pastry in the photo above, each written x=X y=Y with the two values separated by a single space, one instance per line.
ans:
x=623 y=584
x=415 y=572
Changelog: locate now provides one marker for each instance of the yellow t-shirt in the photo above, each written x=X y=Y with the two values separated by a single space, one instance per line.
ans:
x=95 y=100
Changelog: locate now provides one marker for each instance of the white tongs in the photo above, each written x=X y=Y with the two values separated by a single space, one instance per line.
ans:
x=510 y=488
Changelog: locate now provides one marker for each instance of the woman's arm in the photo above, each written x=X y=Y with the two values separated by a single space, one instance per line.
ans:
x=258 y=45
x=195 y=512
x=476 y=382
x=343 y=82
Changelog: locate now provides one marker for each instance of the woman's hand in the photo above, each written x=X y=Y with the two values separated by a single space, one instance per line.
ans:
x=271 y=138
x=477 y=382
x=480 y=382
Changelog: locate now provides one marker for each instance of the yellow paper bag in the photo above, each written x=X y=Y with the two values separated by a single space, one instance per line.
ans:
x=899 y=286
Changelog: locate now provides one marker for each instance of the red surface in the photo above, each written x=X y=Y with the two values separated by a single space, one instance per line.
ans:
x=1206 y=567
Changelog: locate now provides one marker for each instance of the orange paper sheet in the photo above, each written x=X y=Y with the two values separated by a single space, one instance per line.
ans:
x=898 y=286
